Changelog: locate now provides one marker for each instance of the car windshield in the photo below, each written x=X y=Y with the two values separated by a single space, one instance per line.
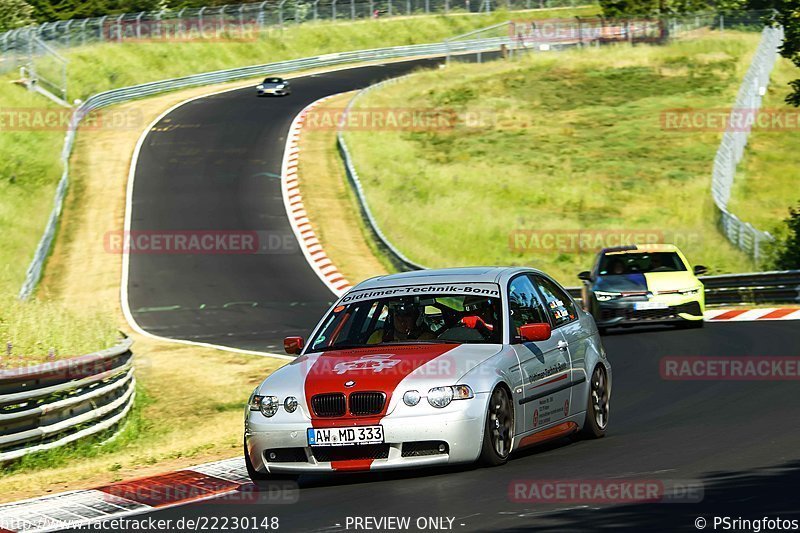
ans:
x=273 y=80
x=451 y=318
x=640 y=262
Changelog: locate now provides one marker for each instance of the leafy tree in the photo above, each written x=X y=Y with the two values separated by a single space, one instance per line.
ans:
x=786 y=253
x=14 y=13
x=787 y=14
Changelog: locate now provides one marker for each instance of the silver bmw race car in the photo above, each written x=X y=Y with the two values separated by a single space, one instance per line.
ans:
x=429 y=368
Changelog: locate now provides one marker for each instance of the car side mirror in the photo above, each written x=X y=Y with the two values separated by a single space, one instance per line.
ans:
x=535 y=332
x=293 y=345
x=585 y=276
x=699 y=270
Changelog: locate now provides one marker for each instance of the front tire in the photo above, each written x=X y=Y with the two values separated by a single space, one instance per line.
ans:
x=498 y=432
x=597 y=408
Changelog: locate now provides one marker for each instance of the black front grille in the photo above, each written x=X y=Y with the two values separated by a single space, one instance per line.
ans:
x=286 y=455
x=326 y=454
x=424 y=447
x=328 y=405
x=366 y=403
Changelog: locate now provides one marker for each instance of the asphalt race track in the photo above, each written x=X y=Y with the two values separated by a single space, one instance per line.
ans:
x=211 y=164
x=740 y=440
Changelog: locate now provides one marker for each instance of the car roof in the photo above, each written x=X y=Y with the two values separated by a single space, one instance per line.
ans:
x=443 y=275
x=637 y=248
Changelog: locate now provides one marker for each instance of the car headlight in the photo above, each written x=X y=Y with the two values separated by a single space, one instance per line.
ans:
x=260 y=86
x=441 y=397
x=290 y=404
x=603 y=296
x=268 y=405
x=411 y=398
x=689 y=292
x=280 y=86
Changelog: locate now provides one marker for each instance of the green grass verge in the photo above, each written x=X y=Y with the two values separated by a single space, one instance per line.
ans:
x=570 y=142
x=766 y=182
x=30 y=166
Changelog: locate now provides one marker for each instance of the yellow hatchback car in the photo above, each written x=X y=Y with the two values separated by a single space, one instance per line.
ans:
x=643 y=284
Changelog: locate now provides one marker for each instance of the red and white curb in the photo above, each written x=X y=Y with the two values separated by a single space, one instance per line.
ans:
x=749 y=315
x=298 y=218
x=81 y=507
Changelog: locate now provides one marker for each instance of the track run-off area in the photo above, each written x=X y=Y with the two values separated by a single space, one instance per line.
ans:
x=214 y=164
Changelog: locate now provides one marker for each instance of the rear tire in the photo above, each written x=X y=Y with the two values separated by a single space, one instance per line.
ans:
x=498 y=432
x=692 y=324
x=597 y=406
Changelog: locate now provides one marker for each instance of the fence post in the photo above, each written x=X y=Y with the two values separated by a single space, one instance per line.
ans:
x=139 y=25
x=333 y=10
x=352 y=9
x=119 y=27
x=315 y=9
x=408 y=7
x=261 y=16
x=390 y=8
x=200 y=21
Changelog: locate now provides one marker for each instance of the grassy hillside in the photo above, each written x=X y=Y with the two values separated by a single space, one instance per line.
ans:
x=767 y=182
x=29 y=159
x=567 y=142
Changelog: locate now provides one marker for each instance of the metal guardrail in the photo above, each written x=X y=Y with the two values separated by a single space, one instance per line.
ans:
x=748 y=101
x=235 y=21
x=51 y=404
x=390 y=251
x=125 y=94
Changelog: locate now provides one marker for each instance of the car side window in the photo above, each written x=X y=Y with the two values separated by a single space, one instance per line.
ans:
x=557 y=302
x=524 y=304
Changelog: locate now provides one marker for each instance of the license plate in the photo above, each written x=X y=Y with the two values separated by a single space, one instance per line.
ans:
x=345 y=436
x=642 y=306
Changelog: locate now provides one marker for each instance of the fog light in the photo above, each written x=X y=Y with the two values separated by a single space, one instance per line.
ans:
x=272 y=456
x=442 y=448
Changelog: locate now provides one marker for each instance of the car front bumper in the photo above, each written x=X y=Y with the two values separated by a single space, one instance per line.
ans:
x=410 y=441
x=624 y=312
x=276 y=92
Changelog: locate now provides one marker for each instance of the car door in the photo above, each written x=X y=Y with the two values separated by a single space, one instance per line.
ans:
x=563 y=314
x=544 y=365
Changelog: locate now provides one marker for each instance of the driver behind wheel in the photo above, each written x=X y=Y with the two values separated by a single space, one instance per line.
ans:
x=479 y=315
x=403 y=323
